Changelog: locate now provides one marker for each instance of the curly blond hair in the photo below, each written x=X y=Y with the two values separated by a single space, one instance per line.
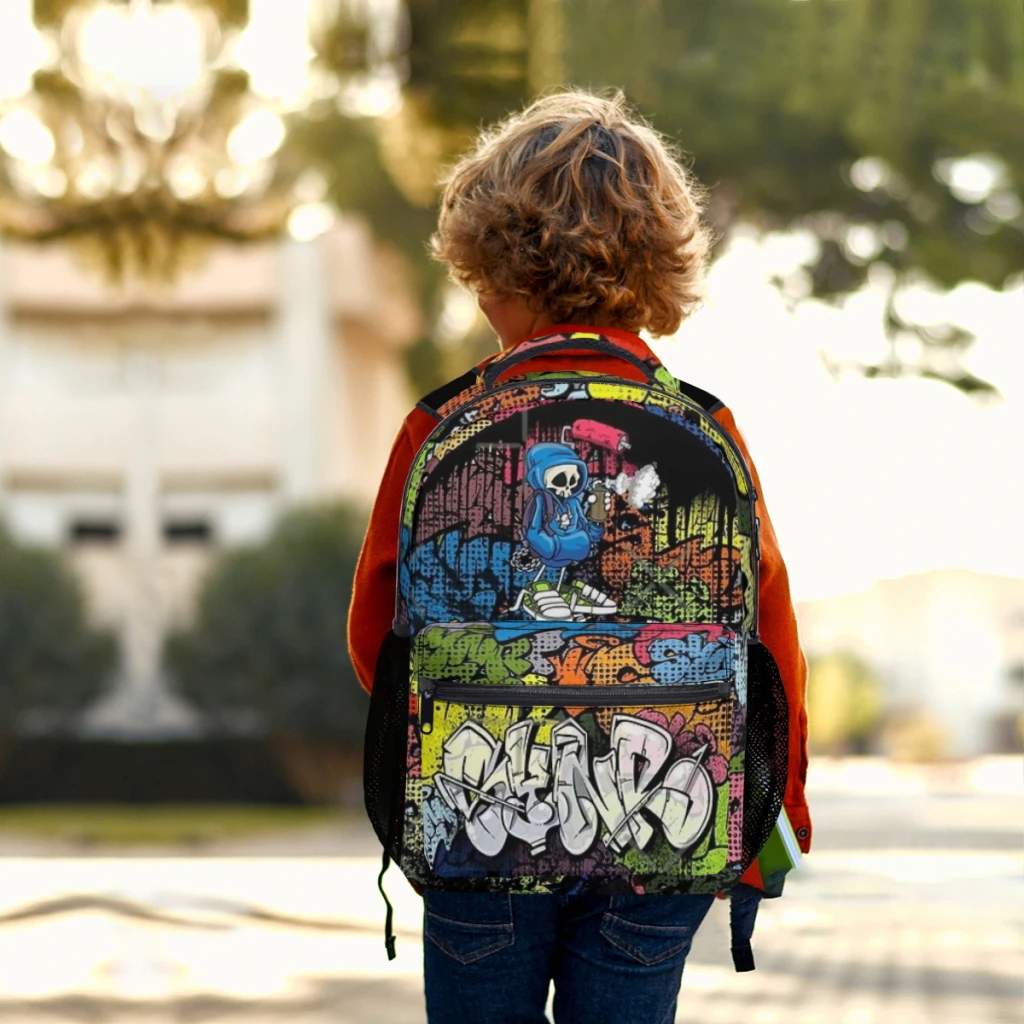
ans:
x=577 y=204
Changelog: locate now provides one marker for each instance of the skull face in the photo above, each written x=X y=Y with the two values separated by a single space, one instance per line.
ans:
x=562 y=480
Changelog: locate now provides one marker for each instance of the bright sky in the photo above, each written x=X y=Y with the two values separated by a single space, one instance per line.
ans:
x=273 y=48
x=22 y=51
x=864 y=480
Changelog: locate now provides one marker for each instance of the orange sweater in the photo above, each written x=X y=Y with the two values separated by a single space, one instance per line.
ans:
x=373 y=595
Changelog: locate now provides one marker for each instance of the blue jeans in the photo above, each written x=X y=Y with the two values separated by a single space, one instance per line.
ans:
x=489 y=958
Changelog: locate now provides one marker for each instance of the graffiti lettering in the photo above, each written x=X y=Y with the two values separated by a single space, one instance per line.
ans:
x=526 y=789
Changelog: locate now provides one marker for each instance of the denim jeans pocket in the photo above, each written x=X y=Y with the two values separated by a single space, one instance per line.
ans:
x=647 y=944
x=653 y=930
x=469 y=926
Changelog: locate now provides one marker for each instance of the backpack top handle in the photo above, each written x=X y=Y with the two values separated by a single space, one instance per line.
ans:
x=560 y=343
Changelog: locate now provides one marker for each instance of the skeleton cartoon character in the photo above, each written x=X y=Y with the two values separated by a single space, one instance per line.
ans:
x=557 y=532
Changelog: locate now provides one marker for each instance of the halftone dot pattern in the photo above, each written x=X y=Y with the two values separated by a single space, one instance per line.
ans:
x=458 y=437
x=735 y=848
x=718 y=718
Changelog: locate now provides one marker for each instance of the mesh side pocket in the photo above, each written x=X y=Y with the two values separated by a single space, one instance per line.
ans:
x=384 y=753
x=767 y=759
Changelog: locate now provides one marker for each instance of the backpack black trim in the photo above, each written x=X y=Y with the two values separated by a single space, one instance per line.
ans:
x=431 y=403
x=445 y=393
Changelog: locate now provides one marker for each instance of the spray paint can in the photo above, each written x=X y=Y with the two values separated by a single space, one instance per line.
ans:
x=597 y=511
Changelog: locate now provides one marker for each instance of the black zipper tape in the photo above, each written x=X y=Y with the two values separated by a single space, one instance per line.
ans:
x=518 y=695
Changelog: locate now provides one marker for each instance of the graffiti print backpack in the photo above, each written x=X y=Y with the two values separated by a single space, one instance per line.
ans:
x=573 y=697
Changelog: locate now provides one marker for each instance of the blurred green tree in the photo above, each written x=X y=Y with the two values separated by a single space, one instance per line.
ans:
x=267 y=649
x=52 y=663
x=893 y=130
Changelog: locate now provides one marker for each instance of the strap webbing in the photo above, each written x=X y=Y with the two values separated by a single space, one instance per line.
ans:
x=389 y=934
x=446 y=392
x=742 y=914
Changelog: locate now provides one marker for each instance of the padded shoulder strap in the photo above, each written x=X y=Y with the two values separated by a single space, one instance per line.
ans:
x=446 y=392
x=742 y=913
x=704 y=399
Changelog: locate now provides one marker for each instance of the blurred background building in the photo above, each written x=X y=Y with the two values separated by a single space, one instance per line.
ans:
x=144 y=429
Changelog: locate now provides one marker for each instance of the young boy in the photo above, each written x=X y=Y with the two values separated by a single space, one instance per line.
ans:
x=572 y=215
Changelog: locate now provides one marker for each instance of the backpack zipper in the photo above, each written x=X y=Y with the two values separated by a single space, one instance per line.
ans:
x=519 y=695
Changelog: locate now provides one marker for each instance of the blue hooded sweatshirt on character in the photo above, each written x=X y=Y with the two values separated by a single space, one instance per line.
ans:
x=556 y=529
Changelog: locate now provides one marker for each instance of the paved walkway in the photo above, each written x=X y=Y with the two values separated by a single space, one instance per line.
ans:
x=909 y=912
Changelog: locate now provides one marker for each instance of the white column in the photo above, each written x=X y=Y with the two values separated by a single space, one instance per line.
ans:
x=305 y=331
x=142 y=639
x=141 y=704
x=342 y=431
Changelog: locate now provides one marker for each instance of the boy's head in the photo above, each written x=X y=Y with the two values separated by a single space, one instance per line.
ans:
x=579 y=211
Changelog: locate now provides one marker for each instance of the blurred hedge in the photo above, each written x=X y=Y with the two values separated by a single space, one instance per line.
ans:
x=266 y=651
x=52 y=662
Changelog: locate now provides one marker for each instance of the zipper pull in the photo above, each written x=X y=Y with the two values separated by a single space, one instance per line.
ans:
x=426 y=691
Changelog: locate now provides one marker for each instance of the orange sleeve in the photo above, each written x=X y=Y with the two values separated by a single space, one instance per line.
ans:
x=778 y=629
x=373 y=590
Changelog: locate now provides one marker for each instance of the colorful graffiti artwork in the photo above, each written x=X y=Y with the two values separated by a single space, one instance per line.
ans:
x=541 y=790
x=518 y=514
x=576 y=567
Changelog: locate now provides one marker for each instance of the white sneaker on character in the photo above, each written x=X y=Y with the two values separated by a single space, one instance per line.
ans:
x=542 y=601
x=584 y=599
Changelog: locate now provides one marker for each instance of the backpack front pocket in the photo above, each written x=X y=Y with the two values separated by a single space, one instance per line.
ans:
x=594 y=750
